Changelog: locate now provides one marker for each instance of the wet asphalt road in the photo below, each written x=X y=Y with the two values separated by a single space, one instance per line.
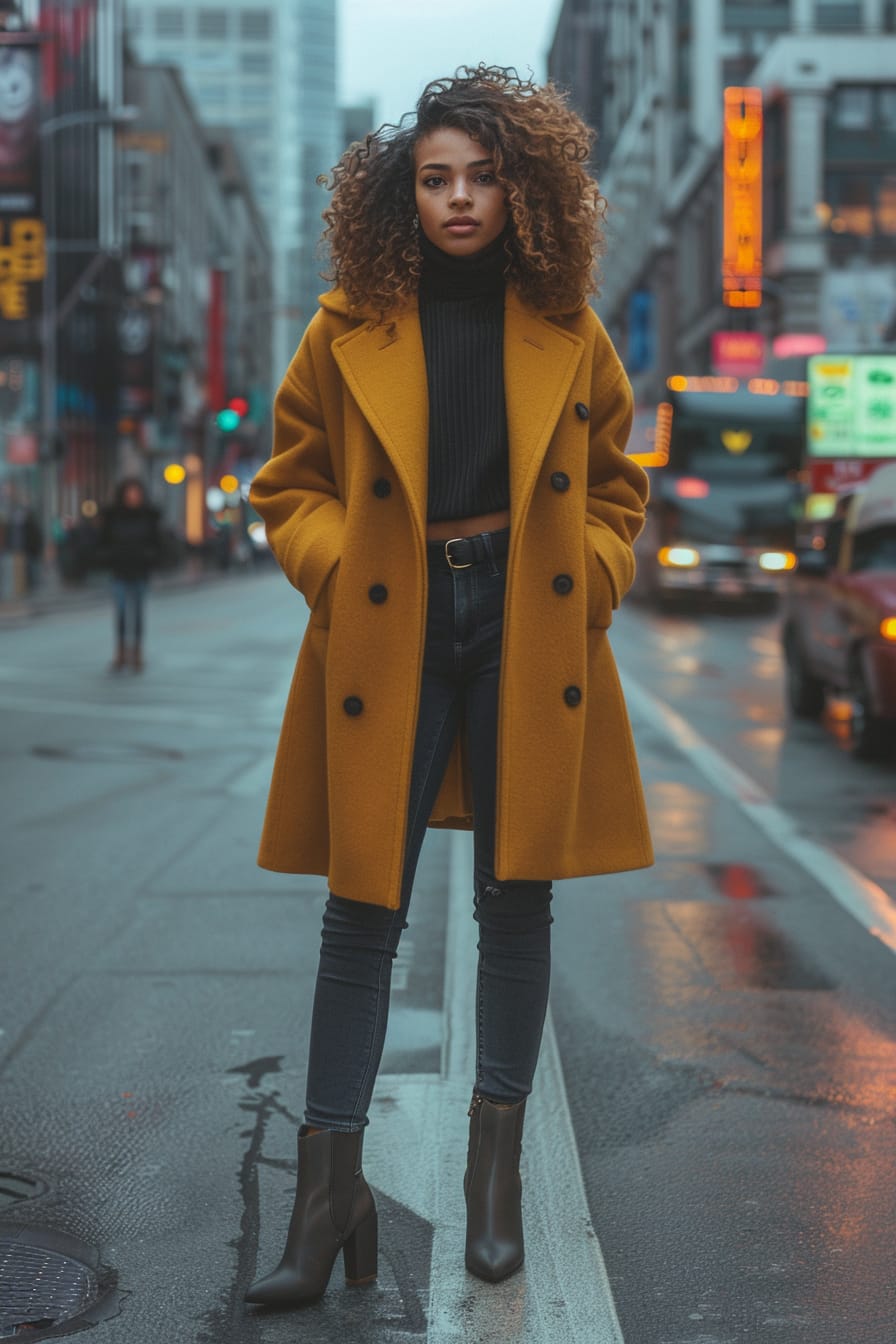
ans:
x=726 y=1032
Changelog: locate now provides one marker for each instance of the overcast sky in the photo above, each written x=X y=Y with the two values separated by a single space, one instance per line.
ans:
x=390 y=48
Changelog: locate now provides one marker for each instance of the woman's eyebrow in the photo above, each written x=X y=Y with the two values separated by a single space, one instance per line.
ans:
x=446 y=167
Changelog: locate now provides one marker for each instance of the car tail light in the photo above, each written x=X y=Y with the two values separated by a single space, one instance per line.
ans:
x=691 y=487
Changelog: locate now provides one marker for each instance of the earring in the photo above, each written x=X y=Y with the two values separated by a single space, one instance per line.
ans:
x=416 y=220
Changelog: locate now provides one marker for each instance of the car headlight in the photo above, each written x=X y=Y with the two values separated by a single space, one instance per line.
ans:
x=777 y=562
x=679 y=557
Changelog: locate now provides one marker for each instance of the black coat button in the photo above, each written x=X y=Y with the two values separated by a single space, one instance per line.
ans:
x=378 y=593
x=560 y=481
x=582 y=410
x=573 y=696
x=382 y=487
x=563 y=584
x=353 y=706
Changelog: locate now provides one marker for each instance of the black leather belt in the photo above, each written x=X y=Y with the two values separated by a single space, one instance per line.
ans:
x=464 y=552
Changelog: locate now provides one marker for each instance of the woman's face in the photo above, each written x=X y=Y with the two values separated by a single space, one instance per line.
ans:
x=459 y=201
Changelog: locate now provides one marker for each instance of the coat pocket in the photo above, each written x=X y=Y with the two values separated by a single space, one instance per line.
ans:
x=322 y=611
x=602 y=597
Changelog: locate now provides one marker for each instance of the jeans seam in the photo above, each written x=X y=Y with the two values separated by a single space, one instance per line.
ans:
x=400 y=911
x=376 y=1020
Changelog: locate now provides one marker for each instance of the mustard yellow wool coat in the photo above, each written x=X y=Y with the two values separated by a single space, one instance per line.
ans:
x=344 y=499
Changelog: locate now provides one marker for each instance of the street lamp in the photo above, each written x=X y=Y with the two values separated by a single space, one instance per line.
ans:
x=51 y=313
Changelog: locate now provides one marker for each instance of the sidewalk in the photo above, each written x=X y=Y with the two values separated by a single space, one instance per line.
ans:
x=53 y=596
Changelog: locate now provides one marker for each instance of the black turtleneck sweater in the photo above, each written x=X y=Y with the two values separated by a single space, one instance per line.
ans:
x=462 y=321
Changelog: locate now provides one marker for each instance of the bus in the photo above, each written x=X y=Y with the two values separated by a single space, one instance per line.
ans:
x=725 y=458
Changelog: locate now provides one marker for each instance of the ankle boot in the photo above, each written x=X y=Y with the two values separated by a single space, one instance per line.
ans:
x=334 y=1210
x=493 y=1189
x=121 y=658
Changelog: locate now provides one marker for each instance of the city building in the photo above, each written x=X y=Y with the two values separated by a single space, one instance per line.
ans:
x=266 y=69
x=137 y=292
x=650 y=75
x=195 y=329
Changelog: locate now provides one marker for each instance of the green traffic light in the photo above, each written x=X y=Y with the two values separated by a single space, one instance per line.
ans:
x=227 y=419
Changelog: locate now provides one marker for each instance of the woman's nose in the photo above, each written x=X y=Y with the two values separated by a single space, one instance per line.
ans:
x=460 y=192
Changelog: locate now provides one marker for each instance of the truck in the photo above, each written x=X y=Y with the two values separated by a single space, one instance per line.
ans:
x=724 y=456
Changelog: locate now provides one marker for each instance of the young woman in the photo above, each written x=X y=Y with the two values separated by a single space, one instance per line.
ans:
x=130 y=545
x=449 y=491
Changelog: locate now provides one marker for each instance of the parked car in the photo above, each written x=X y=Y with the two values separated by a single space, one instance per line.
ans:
x=839 y=617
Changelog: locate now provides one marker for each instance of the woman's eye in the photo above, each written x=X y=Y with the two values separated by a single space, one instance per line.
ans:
x=486 y=178
x=433 y=181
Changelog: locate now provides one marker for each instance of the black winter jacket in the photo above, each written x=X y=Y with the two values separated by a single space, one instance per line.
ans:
x=130 y=542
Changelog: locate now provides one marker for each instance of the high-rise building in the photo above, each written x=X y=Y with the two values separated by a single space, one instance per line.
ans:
x=267 y=70
x=650 y=75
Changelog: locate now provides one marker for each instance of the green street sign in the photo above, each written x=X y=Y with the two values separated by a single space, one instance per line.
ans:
x=851 y=408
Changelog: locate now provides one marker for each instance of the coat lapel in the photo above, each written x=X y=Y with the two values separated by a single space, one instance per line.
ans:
x=385 y=371
x=540 y=362
x=386 y=374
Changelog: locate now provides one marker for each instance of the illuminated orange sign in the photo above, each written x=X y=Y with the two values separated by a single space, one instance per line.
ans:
x=742 y=199
x=21 y=259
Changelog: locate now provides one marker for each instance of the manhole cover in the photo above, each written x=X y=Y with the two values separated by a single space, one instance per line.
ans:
x=14 y=1188
x=40 y=1288
x=105 y=752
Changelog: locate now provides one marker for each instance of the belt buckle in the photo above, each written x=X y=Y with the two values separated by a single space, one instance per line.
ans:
x=451 y=564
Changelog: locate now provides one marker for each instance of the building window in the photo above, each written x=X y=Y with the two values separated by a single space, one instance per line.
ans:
x=770 y=15
x=255 y=25
x=886 y=107
x=211 y=23
x=255 y=63
x=834 y=16
x=853 y=109
x=169 y=22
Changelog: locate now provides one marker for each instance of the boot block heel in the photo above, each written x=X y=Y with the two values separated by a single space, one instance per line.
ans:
x=359 y=1252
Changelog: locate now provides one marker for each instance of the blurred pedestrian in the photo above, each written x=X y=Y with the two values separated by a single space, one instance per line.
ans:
x=130 y=545
x=21 y=547
x=448 y=489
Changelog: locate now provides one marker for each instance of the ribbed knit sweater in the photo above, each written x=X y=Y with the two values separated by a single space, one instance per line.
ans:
x=462 y=321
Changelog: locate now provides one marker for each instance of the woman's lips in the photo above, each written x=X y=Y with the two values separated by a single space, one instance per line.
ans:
x=461 y=226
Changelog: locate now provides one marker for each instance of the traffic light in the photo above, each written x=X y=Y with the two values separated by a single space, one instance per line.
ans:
x=229 y=417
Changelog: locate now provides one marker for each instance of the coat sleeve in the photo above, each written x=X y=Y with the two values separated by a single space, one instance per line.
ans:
x=617 y=486
x=295 y=491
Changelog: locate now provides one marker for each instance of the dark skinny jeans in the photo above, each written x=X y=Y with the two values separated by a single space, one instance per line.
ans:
x=359 y=941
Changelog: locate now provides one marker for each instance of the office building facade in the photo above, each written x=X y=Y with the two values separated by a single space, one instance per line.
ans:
x=650 y=77
x=266 y=69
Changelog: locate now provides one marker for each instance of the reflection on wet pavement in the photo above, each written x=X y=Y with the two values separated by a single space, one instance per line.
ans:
x=723 y=989
x=738 y=881
x=680 y=817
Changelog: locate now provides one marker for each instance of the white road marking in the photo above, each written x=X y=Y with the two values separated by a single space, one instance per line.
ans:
x=562 y=1294
x=863 y=899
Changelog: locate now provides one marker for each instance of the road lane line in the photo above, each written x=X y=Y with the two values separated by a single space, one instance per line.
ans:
x=562 y=1295
x=858 y=895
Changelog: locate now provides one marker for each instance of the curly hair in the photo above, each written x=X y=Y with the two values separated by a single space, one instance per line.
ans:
x=540 y=147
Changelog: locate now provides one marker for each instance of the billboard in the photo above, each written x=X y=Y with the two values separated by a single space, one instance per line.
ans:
x=852 y=406
x=22 y=243
x=742 y=198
